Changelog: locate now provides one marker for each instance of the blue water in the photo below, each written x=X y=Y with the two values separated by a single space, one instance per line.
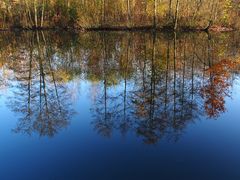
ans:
x=206 y=147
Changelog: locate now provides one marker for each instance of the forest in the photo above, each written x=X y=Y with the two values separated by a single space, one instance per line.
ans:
x=219 y=15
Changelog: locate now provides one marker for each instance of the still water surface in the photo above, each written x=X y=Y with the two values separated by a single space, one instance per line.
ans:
x=119 y=106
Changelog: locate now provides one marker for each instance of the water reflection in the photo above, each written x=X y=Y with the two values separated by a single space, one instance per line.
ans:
x=151 y=84
x=39 y=91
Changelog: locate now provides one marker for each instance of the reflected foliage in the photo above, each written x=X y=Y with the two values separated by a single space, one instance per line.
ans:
x=153 y=85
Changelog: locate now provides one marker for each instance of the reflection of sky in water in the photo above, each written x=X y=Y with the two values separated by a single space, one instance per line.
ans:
x=78 y=151
x=207 y=148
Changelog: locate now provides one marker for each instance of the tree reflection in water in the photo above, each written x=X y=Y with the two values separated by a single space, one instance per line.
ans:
x=40 y=92
x=148 y=83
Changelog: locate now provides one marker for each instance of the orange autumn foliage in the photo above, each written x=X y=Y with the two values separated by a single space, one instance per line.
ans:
x=217 y=87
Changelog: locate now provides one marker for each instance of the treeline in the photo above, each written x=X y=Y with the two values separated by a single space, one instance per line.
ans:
x=195 y=14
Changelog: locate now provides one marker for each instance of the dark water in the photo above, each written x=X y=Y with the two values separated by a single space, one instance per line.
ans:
x=119 y=106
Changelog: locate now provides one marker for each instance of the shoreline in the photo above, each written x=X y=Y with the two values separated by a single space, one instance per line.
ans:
x=124 y=29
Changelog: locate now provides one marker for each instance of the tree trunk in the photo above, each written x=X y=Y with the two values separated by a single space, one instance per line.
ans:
x=176 y=15
x=170 y=9
x=103 y=12
x=35 y=14
x=155 y=14
x=128 y=13
x=42 y=16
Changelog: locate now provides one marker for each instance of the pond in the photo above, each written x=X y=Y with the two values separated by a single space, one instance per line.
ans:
x=119 y=105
